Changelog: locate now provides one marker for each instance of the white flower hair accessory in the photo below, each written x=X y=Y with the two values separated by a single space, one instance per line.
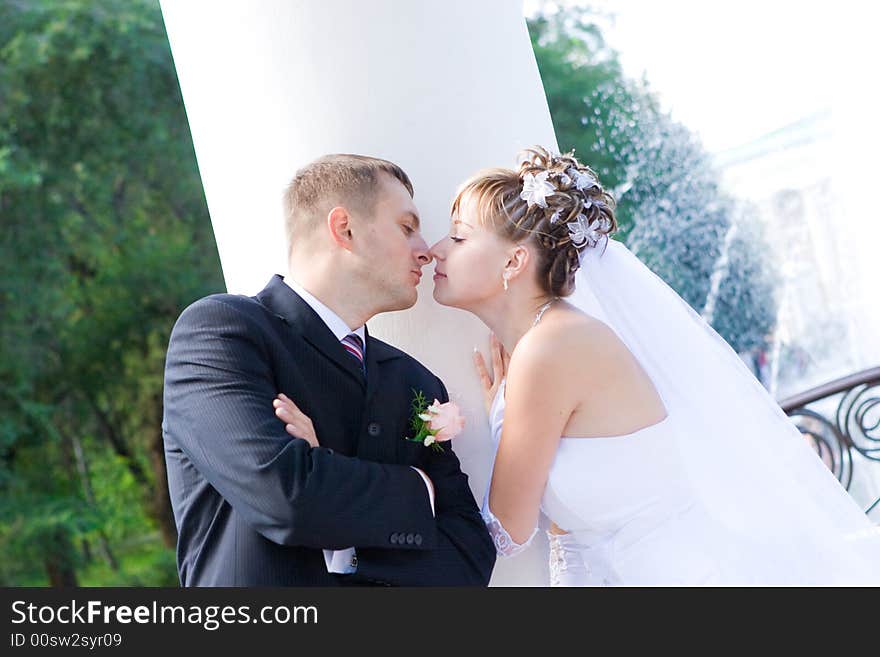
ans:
x=582 y=234
x=536 y=188
x=582 y=180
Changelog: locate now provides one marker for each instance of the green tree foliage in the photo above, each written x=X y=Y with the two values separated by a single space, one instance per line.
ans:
x=105 y=238
x=670 y=209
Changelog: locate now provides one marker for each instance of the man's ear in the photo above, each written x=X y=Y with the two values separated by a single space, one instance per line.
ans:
x=339 y=226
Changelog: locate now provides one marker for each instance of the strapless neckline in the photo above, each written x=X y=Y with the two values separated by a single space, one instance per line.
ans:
x=624 y=437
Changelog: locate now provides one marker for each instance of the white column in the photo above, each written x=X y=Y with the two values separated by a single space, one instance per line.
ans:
x=441 y=88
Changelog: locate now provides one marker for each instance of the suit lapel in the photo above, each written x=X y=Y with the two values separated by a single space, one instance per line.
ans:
x=279 y=299
x=377 y=353
x=286 y=304
x=383 y=404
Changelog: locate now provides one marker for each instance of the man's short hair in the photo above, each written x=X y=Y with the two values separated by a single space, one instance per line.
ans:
x=340 y=179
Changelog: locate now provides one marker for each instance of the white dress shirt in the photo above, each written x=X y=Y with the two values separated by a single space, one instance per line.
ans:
x=343 y=561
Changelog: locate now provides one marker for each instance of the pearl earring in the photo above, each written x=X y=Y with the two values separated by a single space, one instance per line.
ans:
x=506 y=287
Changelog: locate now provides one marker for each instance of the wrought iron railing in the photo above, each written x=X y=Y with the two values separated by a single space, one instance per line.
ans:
x=854 y=427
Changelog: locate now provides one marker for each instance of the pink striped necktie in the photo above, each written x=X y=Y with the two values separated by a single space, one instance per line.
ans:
x=355 y=346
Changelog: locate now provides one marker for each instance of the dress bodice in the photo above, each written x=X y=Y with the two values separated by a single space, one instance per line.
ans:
x=625 y=503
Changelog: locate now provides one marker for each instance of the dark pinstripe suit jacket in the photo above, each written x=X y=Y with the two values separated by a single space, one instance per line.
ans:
x=254 y=506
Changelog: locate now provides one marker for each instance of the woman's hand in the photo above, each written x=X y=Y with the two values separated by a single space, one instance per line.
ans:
x=500 y=361
x=296 y=423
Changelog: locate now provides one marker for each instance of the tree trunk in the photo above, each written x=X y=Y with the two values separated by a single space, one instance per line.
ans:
x=60 y=574
x=58 y=559
x=113 y=436
x=157 y=501
x=82 y=466
x=161 y=501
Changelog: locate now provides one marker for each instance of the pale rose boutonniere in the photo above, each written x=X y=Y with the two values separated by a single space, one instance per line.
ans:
x=435 y=423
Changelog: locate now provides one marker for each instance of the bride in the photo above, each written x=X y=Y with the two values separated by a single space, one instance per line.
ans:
x=620 y=414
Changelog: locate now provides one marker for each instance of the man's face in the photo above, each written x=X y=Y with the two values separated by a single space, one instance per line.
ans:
x=391 y=249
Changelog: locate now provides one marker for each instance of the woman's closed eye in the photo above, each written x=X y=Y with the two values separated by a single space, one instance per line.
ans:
x=456 y=239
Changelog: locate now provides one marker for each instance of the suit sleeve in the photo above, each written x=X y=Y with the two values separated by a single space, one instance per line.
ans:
x=462 y=553
x=219 y=387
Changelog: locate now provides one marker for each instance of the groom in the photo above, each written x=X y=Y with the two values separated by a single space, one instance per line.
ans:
x=255 y=506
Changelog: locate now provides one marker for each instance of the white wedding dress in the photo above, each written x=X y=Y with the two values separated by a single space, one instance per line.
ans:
x=724 y=491
x=632 y=518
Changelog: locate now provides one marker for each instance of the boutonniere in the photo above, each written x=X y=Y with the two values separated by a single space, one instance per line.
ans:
x=434 y=423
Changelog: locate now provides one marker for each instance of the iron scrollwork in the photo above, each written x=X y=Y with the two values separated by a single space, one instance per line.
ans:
x=854 y=427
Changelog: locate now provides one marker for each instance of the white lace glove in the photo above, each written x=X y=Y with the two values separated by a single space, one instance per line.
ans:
x=505 y=546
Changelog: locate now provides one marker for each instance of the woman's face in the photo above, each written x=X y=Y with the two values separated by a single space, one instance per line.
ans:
x=469 y=261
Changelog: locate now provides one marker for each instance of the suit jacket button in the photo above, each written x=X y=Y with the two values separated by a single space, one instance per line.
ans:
x=393 y=538
x=374 y=429
x=409 y=539
x=418 y=539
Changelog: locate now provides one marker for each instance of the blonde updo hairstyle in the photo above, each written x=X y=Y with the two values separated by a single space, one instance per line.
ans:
x=495 y=194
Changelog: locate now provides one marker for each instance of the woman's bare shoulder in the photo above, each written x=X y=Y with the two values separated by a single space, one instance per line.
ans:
x=565 y=340
x=571 y=328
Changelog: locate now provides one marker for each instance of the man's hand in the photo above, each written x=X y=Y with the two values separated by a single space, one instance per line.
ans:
x=296 y=423
x=500 y=361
